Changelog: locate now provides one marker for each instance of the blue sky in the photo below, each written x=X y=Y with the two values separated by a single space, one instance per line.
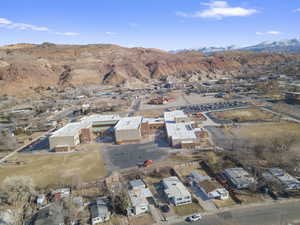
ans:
x=165 y=24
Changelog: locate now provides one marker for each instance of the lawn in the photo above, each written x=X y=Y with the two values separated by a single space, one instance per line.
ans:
x=186 y=171
x=250 y=198
x=145 y=219
x=244 y=115
x=188 y=209
x=58 y=168
x=224 y=203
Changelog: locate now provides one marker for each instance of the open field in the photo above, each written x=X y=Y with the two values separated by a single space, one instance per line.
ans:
x=264 y=130
x=244 y=115
x=225 y=137
x=153 y=113
x=58 y=168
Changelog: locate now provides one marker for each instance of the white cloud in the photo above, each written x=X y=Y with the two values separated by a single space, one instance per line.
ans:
x=67 y=33
x=110 y=33
x=5 y=21
x=297 y=10
x=270 y=32
x=8 y=24
x=219 y=10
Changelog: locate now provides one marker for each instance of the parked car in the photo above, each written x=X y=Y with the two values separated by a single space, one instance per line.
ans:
x=194 y=218
x=165 y=208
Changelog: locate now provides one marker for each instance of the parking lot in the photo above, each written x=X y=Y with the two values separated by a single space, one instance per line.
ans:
x=127 y=156
x=213 y=106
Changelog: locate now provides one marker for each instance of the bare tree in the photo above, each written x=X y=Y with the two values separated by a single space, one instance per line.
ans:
x=18 y=189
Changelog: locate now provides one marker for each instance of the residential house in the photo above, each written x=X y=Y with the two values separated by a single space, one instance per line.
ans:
x=99 y=211
x=137 y=184
x=239 y=177
x=61 y=193
x=138 y=196
x=209 y=187
x=50 y=215
x=287 y=181
x=175 y=191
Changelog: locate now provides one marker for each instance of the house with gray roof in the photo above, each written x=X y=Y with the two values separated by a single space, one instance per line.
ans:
x=50 y=215
x=99 y=211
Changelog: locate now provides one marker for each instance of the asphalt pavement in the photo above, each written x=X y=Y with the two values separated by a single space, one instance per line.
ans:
x=277 y=213
x=127 y=156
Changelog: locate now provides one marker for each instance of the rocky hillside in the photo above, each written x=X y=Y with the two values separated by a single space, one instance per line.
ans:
x=28 y=66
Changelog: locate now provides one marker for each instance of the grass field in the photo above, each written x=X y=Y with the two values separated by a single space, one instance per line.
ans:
x=58 y=168
x=244 y=115
x=273 y=129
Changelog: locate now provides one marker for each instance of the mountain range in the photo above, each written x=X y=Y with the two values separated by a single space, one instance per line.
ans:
x=25 y=67
x=283 y=46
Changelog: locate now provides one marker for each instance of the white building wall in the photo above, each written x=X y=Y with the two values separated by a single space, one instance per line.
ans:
x=64 y=140
x=127 y=135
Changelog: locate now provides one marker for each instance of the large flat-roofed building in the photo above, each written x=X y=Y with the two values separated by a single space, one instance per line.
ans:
x=73 y=134
x=101 y=123
x=177 y=116
x=67 y=136
x=180 y=133
x=128 y=130
x=175 y=191
x=150 y=126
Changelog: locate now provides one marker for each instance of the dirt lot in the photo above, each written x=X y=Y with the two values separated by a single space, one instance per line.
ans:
x=244 y=115
x=273 y=129
x=225 y=137
x=182 y=99
x=178 y=157
x=154 y=113
x=145 y=219
x=58 y=168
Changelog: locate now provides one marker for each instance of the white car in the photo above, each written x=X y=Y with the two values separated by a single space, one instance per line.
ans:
x=194 y=218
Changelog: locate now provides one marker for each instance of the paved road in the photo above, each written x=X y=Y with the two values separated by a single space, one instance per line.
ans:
x=135 y=106
x=274 y=214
